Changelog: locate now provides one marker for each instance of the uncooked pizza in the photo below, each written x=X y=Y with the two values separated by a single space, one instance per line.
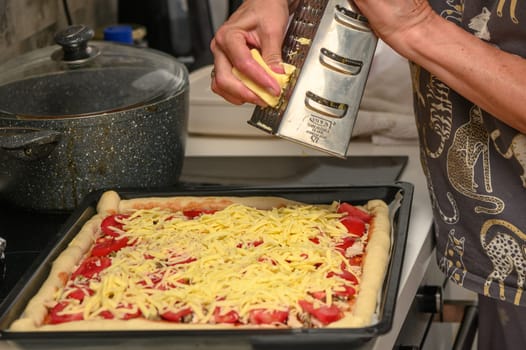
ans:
x=214 y=263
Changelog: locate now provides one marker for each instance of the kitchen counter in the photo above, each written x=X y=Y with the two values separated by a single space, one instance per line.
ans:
x=417 y=256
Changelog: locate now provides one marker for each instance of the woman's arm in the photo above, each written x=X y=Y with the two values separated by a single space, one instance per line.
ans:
x=489 y=77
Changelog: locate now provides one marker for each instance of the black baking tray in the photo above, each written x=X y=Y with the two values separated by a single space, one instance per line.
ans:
x=400 y=194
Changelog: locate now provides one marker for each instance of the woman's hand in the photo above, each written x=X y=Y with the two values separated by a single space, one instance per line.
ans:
x=257 y=24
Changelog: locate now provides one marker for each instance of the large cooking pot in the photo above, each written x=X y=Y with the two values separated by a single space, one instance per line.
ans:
x=87 y=115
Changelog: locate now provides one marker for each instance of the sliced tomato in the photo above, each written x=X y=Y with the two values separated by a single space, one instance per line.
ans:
x=55 y=316
x=353 y=225
x=314 y=240
x=106 y=315
x=346 y=275
x=154 y=279
x=92 y=266
x=112 y=221
x=353 y=211
x=264 y=316
x=130 y=315
x=306 y=306
x=325 y=314
x=345 y=243
x=80 y=292
x=320 y=295
x=176 y=316
x=195 y=213
x=356 y=260
x=106 y=245
x=347 y=292
x=229 y=317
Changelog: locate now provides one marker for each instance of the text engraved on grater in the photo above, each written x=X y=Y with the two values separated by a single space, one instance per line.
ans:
x=318 y=128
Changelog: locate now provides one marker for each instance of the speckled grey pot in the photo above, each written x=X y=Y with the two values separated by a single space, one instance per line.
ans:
x=140 y=147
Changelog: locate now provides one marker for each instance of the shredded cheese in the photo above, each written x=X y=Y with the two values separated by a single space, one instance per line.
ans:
x=239 y=258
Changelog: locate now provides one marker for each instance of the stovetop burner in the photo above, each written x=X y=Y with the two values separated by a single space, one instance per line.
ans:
x=28 y=232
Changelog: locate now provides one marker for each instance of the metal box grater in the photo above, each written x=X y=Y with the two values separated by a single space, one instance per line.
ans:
x=332 y=46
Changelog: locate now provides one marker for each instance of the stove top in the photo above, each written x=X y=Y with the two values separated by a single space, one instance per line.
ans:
x=28 y=232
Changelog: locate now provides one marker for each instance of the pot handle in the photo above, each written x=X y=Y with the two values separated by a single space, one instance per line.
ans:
x=28 y=143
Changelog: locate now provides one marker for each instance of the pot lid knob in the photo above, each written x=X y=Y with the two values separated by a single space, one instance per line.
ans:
x=74 y=42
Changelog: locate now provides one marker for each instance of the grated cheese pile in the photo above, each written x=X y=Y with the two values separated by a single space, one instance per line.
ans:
x=239 y=258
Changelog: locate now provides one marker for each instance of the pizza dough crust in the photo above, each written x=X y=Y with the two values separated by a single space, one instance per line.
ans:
x=374 y=268
x=201 y=203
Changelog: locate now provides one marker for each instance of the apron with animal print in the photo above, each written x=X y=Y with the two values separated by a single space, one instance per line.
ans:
x=475 y=165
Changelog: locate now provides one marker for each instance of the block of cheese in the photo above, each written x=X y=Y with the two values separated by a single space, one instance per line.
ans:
x=282 y=79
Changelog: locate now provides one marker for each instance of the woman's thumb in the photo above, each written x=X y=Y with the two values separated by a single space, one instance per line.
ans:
x=272 y=57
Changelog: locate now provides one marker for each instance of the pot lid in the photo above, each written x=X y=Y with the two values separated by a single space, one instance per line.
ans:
x=79 y=77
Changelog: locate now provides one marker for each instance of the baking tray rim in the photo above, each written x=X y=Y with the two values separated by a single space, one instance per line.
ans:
x=87 y=208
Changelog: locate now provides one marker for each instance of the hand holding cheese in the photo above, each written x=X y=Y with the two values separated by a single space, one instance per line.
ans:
x=282 y=79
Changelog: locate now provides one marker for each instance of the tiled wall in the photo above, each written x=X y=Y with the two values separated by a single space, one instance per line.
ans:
x=26 y=25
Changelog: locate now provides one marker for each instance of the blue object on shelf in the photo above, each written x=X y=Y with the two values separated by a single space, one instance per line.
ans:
x=119 y=33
